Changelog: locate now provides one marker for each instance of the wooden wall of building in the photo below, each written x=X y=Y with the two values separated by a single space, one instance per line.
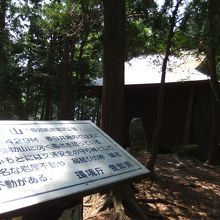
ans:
x=141 y=101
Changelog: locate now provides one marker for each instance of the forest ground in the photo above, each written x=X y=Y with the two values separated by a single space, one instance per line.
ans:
x=182 y=188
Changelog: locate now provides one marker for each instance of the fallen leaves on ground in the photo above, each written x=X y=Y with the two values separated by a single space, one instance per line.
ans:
x=182 y=188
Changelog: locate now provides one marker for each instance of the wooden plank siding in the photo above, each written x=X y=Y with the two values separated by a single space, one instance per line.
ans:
x=141 y=101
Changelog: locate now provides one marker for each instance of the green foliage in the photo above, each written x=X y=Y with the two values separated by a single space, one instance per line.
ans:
x=139 y=35
x=87 y=109
x=54 y=16
x=146 y=28
x=194 y=26
x=32 y=43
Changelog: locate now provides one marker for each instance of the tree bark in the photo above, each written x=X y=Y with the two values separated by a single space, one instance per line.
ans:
x=113 y=99
x=48 y=104
x=160 y=103
x=3 y=7
x=214 y=13
x=3 y=57
x=113 y=82
x=67 y=102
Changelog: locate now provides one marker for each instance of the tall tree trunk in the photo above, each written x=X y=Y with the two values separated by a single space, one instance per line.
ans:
x=48 y=104
x=213 y=154
x=48 y=85
x=38 y=102
x=3 y=6
x=113 y=83
x=214 y=14
x=160 y=103
x=81 y=72
x=28 y=89
x=3 y=58
x=113 y=97
x=67 y=102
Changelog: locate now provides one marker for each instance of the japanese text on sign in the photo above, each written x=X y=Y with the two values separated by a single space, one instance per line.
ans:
x=58 y=158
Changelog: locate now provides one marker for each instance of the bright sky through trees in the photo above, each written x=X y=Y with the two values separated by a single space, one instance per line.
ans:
x=159 y=2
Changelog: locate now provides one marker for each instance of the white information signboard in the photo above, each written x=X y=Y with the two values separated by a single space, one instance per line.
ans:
x=42 y=161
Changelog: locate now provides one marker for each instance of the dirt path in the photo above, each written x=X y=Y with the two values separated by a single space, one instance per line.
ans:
x=182 y=189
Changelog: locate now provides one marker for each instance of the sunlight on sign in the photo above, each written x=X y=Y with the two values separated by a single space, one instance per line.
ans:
x=42 y=161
